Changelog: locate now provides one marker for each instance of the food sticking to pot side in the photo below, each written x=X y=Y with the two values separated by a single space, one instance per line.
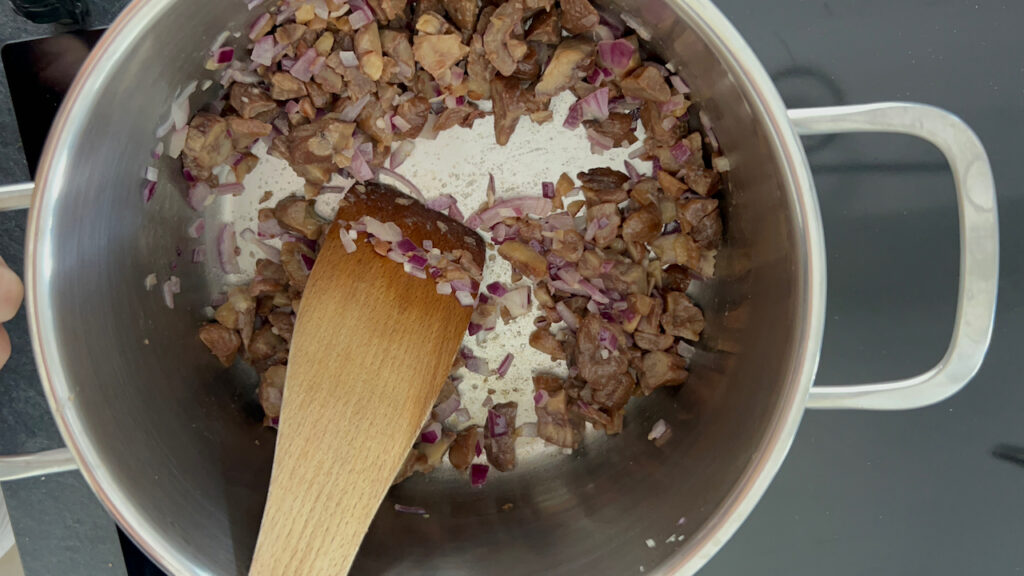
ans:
x=599 y=259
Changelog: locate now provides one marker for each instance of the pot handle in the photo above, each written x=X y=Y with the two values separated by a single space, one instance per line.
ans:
x=979 y=249
x=16 y=197
x=38 y=464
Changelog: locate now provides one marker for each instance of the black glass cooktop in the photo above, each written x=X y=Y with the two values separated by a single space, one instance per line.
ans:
x=40 y=72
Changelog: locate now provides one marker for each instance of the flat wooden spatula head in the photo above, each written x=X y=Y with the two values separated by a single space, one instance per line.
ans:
x=371 y=348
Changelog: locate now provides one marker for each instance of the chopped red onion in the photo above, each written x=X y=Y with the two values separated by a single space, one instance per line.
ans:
x=346 y=241
x=405 y=246
x=497 y=425
x=510 y=208
x=478 y=366
x=259 y=23
x=680 y=151
x=607 y=339
x=177 y=142
x=462 y=416
x=195 y=230
x=594 y=293
x=199 y=195
x=414 y=270
x=158 y=151
x=574 y=117
x=659 y=428
x=411 y=188
x=399 y=124
x=410 y=509
x=559 y=221
x=148 y=191
x=198 y=254
x=705 y=121
x=547 y=189
x=496 y=289
x=269 y=228
x=171 y=287
x=303 y=67
x=292 y=107
x=517 y=301
x=599 y=142
x=269 y=251
x=637 y=152
x=634 y=174
x=444 y=288
x=263 y=51
x=678 y=84
x=478 y=474
x=429 y=131
x=360 y=168
x=150 y=281
x=462 y=285
x=358 y=19
x=307 y=262
x=226 y=245
x=465 y=298
x=458 y=75
x=675 y=104
x=318 y=64
x=180 y=106
x=572 y=321
x=506 y=363
x=445 y=409
x=223 y=55
x=417 y=260
x=474 y=329
x=361 y=14
x=479 y=443
x=400 y=153
x=232 y=189
x=431 y=433
x=616 y=54
x=685 y=350
x=540 y=398
x=388 y=232
x=351 y=112
x=442 y=203
x=659 y=67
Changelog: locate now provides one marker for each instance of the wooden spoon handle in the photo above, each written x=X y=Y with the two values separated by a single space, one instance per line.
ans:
x=354 y=402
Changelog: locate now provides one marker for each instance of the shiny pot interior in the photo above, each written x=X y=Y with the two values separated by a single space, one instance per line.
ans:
x=165 y=434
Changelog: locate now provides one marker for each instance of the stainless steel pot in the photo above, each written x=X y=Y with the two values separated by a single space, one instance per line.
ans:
x=158 y=429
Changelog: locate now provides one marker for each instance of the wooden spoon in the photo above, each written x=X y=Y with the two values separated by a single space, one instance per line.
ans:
x=370 y=351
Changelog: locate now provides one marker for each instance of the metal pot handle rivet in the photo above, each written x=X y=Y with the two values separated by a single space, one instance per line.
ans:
x=979 y=249
x=15 y=197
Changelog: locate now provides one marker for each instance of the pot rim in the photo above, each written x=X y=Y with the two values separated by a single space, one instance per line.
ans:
x=795 y=175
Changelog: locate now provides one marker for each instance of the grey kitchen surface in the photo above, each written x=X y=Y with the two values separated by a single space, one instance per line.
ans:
x=883 y=493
